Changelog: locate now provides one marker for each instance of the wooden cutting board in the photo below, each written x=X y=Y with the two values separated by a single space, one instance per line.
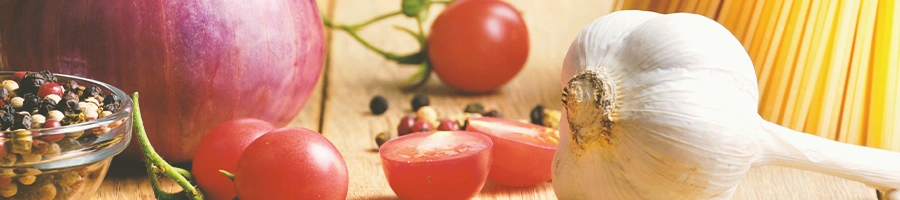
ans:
x=353 y=74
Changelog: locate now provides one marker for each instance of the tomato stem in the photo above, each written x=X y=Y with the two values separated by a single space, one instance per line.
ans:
x=228 y=174
x=157 y=166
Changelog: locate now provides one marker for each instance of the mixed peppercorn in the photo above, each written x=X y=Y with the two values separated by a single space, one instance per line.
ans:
x=426 y=117
x=36 y=100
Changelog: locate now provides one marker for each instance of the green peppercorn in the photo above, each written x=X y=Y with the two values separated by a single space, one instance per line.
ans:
x=72 y=119
x=537 y=115
x=381 y=138
x=21 y=141
x=418 y=101
x=378 y=105
x=492 y=113
x=474 y=108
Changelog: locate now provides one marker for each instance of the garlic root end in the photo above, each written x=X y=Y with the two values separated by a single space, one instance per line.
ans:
x=590 y=100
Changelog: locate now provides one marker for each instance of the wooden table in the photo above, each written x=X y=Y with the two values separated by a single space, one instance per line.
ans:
x=339 y=108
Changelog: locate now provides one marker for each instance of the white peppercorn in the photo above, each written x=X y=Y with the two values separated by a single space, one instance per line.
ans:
x=53 y=97
x=17 y=102
x=11 y=86
x=428 y=114
x=56 y=115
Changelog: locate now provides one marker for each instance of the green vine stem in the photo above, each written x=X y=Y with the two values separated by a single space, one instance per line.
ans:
x=414 y=58
x=156 y=166
x=417 y=9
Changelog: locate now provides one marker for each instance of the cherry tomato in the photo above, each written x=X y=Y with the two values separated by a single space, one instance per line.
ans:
x=291 y=163
x=220 y=149
x=523 y=152
x=50 y=88
x=478 y=45
x=437 y=165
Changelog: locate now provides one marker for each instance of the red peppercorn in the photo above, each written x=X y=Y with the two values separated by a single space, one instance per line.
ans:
x=448 y=125
x=405 y=125
x=52 y=123
x=18 y=76
x=422 y=125
x=50 y=88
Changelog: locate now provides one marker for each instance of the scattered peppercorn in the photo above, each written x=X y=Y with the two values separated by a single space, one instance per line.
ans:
x=492 y=113
x=378 y=105
x=474 y=108
x=448 y=125
x=405 y=125
x=427 y=113
x=422 y=125
x=537 y=115
x=381 y=138
x=418 y=101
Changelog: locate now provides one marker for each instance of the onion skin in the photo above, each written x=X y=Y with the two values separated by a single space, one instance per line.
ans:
x=198 y=63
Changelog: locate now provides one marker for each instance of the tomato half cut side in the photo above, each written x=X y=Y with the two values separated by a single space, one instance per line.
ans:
x=523 y=152
x=437 y=165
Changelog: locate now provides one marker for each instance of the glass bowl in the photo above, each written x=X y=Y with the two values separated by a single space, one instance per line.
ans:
x=66 y=162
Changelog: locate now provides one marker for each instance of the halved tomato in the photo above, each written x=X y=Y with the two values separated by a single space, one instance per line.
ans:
x=437 y=165
x=523 y=152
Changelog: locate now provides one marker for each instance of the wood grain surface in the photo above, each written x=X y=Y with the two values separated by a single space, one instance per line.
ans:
x=353 y=74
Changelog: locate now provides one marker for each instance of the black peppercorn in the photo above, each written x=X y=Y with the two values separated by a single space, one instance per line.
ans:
x=111 y=99
x=492 y=113
x=46 y=106
x=48 y=77
x=90 y=92
x=31 y=102
x=68 y=106
x=377 y=105
x=111 y=107
x=30 y=84
x=474 y=108
x=418 y=101
x=22 y=121
x=6 y=120
x=537 y=115
x=70 y=85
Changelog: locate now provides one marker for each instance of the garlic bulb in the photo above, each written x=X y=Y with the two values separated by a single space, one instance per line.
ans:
x=665 y=107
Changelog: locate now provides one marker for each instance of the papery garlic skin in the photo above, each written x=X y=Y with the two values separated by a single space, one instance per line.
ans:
x=683 y=118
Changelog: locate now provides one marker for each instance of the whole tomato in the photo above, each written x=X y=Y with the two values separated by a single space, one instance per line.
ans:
x=220 y=149
x=478 y=45
x=291 y=163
